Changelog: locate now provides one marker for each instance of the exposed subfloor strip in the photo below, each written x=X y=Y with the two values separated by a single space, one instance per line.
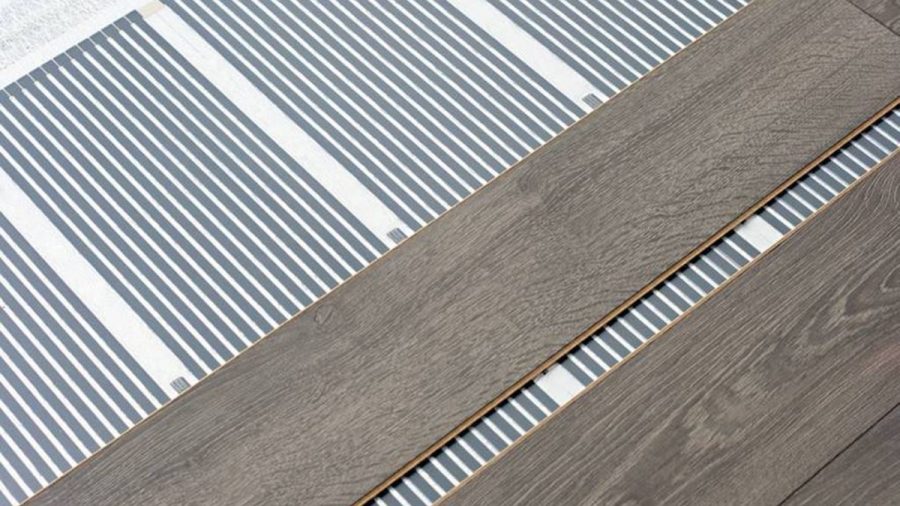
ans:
x=511 y=419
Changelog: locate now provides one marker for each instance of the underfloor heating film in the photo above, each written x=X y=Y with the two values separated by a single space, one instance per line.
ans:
x=191 y=176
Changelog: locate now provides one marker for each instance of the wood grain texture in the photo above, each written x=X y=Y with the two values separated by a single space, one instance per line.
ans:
x=868 y=472
x=887 y=12
x=335 y=401
x=747 y=396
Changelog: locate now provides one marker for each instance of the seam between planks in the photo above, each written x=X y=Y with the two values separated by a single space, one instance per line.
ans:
x=867 y=13
x=706 y=297
x=839 y=453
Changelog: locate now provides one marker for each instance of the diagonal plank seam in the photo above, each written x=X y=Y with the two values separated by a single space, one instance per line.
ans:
x=883 y=22
x=840 y=452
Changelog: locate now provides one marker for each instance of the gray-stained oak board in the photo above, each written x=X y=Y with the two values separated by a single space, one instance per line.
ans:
x=750 y=394
x=867 y=472
x=339 y=398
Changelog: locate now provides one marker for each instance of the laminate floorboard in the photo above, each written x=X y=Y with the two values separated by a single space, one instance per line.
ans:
x=887 y=12
x=867 y=472
x=747 y=396
x=362 y=382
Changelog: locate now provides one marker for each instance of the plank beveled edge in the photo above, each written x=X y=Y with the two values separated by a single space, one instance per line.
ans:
x=867 y=471
x=886 y=12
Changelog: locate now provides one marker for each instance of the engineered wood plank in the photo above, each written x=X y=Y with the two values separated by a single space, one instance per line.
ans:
x=747 y=396
x=365 y=380
x=887 y=12
x=867 y=472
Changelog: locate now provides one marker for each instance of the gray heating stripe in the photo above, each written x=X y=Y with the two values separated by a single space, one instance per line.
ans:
x=416 y=101
x=67 y=385
x=206 y=227
x=612 y=43
x=449 y=465
x=199 y=221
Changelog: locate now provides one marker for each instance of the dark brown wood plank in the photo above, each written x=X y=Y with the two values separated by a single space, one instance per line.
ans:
x=868 y=472
x=747 y=396
x=887 y=12
x=361 y=383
